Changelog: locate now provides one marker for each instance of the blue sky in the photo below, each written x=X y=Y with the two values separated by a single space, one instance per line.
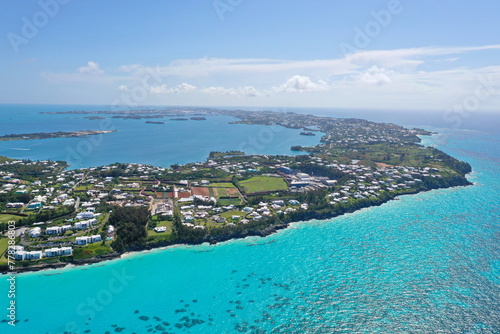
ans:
x=395 y=54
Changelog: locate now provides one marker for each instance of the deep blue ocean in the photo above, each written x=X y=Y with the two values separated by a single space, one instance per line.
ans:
x=427 y=263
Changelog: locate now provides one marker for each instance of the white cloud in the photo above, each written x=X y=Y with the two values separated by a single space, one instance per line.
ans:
x=301 y=84
x=130 y=68
x=409 y=58
x=247 y=91
x=371 y=74
x=91 y=68
x=376 y=75
x=210 y=67
x=183 y=88
x=163 y=89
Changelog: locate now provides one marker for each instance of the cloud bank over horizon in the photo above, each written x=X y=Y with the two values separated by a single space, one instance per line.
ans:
x=430 y=76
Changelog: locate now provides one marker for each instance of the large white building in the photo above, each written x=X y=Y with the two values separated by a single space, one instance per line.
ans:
x=35 y=232
x=23 y=255
x=53 y=230
x=87 y=215
x=57 y=229
x=63 y=251
x=85 y=224
x=16 y=248
x=15 y=205
x=65 y=228
x=87 y=239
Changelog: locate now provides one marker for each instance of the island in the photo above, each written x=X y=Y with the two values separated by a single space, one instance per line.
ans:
x=153 y=122
x=94 y=117
x=81 y=216
x=48 y=135
x=307 y=133
x=133 y=116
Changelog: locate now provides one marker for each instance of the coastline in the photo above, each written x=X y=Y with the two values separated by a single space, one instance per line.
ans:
x=51 y=135
x=412 y=141
x=273 y=229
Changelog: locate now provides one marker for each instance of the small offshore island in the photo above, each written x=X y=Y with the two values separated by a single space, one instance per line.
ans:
x=89 y=215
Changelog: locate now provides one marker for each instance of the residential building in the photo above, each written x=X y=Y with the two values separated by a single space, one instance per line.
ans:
x=63 y=251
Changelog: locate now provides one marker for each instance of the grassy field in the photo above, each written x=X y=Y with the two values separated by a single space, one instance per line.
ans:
x=91 y=250
x=3 y=247
x=263 y=184
x=166 y=223
x=6 y=218
x=103 y=218
x=221 y=185
x=229 y=201
x=228 y=215
x=227 y=192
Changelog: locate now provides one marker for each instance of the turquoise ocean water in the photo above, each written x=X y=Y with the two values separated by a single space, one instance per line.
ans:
x=427 y=263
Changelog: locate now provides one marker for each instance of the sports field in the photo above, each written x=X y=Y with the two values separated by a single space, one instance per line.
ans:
x=263 y=184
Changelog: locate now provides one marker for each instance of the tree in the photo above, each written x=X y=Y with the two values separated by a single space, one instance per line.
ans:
x=130 y=223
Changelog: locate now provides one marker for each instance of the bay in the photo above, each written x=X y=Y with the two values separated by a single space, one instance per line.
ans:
x=175 y=142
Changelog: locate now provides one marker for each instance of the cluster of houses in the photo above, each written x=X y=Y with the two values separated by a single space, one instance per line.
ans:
x=47 y=194
x=54 y=230
x=345 y=133
x=19 y=254
x=264 y=209
x=366 y=181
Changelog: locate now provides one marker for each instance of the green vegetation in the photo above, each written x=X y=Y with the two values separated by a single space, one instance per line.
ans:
x=5 y=218
x=259 y=184
x=216 y=154
x=165 y=223
x=182 y=233
x=230 y=201
x=4 y=159
x=221 y=185
x=59 y=134
x=229 y=214
x=44 y=215
x=4 y=244
x=91 y=251
x=130 y=224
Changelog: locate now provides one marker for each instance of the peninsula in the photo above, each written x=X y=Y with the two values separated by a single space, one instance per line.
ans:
x=88 y=215
x=48 y=135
